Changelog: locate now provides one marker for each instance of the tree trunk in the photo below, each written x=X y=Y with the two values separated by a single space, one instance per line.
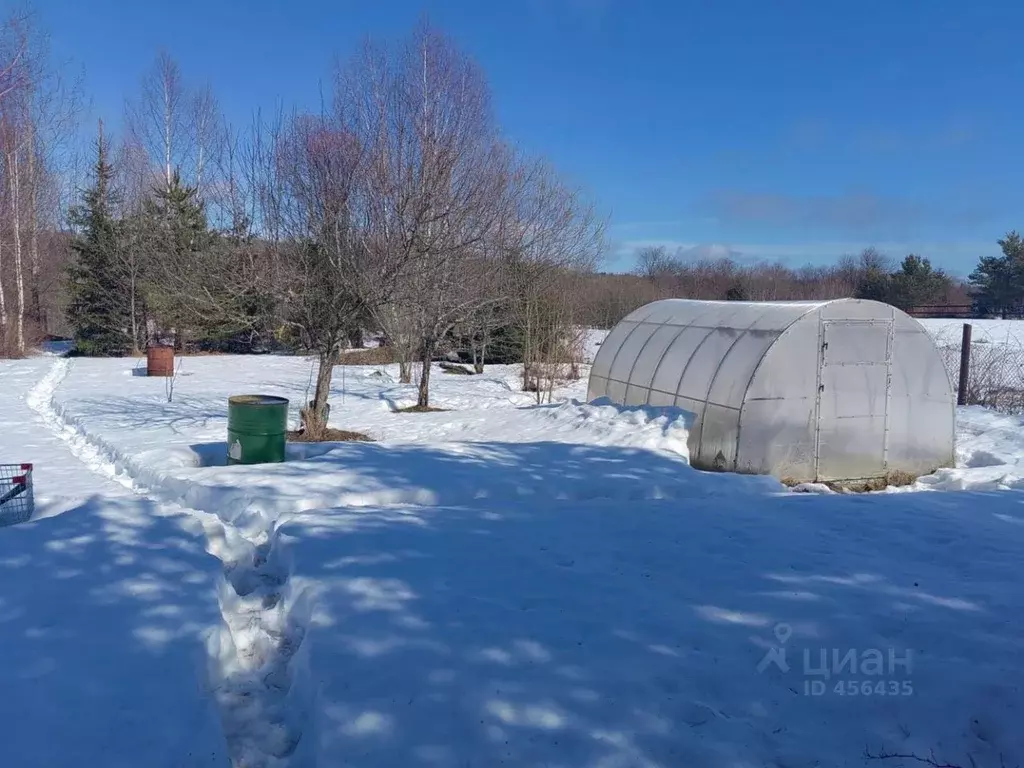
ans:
x=168 y=139
x=135 y=320
x=19 y=278
x=423 y=398
x=479 y=366
x=3 y=306
x=316 y=417
x=405 y=371
x=33 y=237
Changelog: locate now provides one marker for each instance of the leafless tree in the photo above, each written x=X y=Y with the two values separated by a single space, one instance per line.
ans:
x=157 y=119
x=208 y=139
x=318 y=166
x=15 y=136
x=552 y=235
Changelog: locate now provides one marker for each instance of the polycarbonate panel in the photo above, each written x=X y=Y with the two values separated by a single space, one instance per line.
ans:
x=737 y=369
x=856 y=309
x=717 y=449
x=622 y=366
x=670 y=370
x=703 y=365
x=918 y=366
x=921 y=406
x=615 y=391
x=696 y=409
x=596 y=384
x=609 y=347
x=849 y=391
x=660 y=399
x=850 y=449
x=855 y=342
x=921 y=434
x=776 y=437
x=652 y=354
x=790 y=367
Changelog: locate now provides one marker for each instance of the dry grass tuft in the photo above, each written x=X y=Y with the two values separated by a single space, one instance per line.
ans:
x=419 y=409
x=368 y=356
x=329 y=435
x=895 y=478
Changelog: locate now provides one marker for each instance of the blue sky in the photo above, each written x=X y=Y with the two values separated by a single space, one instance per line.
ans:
x=791 y=129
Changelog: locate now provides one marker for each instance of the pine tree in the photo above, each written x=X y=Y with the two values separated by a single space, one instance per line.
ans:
x=178 y=240
x=999 y=280
x=875 y=284
x=98 y=307
x=916 y=284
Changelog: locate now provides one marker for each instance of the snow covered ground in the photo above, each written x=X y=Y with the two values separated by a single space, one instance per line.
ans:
x=1005 y=332
x=104 y=601
x=500 y=583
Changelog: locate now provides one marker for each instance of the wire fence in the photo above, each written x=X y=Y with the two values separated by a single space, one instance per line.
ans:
x=16 y=500
x=996 y=374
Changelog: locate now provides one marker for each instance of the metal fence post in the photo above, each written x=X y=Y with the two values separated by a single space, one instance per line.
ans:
x=965 y=365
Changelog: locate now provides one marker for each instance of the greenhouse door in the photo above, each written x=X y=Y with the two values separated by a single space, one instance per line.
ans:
x=853 y=399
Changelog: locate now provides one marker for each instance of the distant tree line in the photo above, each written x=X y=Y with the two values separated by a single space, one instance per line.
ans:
x=659 y=274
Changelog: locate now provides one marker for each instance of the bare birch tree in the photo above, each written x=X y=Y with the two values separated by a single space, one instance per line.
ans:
x=207 y=138
x=158 y=117
x=135 y=179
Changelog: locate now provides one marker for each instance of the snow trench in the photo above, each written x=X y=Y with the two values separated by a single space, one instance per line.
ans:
x=258 y=663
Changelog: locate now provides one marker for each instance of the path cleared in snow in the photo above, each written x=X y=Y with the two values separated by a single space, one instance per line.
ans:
x=103 y=611
x=510 y=585
x=254 y=655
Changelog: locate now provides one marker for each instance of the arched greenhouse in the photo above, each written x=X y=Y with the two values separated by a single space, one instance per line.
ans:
x=826 y=391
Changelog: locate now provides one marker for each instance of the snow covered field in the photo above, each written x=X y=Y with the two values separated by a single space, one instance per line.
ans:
x=496 y=584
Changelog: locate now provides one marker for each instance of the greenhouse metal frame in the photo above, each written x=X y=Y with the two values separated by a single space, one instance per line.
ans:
x=807 y=391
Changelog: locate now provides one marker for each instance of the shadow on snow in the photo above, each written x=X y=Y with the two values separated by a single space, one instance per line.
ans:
x=500 y=603
x=103 y=609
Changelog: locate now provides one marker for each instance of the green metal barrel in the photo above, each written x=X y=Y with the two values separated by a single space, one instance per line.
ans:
x=256 y=429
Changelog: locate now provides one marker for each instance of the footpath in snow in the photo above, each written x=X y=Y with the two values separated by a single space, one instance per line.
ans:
x=105 y=603
x=502 y=584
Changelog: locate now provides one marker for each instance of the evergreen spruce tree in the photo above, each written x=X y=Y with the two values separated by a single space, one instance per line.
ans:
x=875 y=284
x=98 y=306
x=999 y=280
x=178 y=242
x=916 y=284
